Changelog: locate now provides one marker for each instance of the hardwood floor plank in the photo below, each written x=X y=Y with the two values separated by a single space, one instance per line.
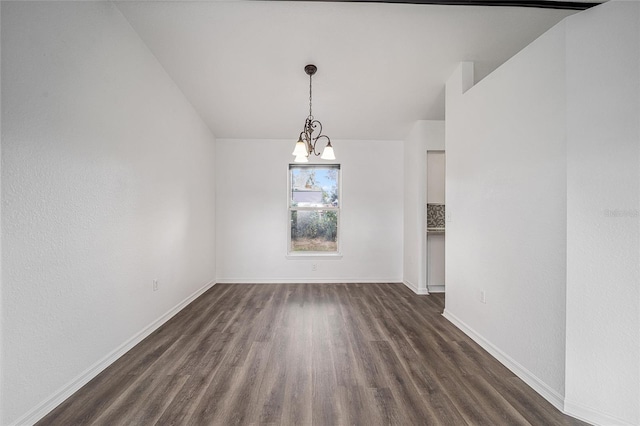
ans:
x=211 y=397
x=270 y=396
x=386 y=407
x=89 y=402
x=124 y=406
x=298 y=386
x=163 y=394
x=357 y=403
x=307 y=354
x=325 y=409
x=466 y=402
x=184 y=403
x=407 y=396
x=241 y=405
x=494 y=404
x=489 y=365
x=363 y=362
x=444 y=408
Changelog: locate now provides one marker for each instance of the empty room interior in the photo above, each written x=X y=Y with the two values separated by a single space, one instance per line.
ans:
x=320 y=212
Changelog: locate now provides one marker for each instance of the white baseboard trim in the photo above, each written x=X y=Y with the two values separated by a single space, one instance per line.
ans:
x=589 y=415
x=414 y=288
x=46 y=406
x=436 y=288
x=529 y=378
x=305 y=281
x=579 y=411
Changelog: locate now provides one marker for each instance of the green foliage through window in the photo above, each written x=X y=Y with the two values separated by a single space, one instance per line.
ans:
x=314 y=208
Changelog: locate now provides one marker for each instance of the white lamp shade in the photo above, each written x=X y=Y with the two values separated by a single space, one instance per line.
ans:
x=328 y=153
x=300 y=149
x=301 y=159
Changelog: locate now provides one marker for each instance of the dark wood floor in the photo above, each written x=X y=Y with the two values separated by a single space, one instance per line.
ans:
x=303 y=354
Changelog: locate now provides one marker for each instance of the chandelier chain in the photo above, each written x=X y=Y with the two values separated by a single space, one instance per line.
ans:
x=310 y=97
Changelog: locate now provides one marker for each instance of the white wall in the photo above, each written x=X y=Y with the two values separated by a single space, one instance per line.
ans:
x=435 y=177
x=252 y=217
x=425 y=135
x=603 y=214
x=107 y=183
x=506 y=197
x=543 y=167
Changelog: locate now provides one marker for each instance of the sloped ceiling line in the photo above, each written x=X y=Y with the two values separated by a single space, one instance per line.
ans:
x=564 y=5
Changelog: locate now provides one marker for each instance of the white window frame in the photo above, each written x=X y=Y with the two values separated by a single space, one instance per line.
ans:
x=314 y=254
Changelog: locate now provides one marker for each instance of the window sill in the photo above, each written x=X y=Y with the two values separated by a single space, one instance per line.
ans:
x=313 y=256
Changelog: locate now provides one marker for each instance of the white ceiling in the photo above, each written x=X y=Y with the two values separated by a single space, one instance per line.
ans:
x=381 y=66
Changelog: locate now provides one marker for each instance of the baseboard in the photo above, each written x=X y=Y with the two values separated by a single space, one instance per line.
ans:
x=305 y=281
x=529 y=378
x=45 y=407
x=567 y=407
x=414 y=288
x=436 y=288
x=591 y=416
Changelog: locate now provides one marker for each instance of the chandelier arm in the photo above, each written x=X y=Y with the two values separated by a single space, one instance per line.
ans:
x=321 y=137
x=315 y=141
x=315 y=126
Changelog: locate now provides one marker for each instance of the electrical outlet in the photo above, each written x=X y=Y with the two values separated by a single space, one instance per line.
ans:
x=314 y=267
x=155 y=284
x=483 y=297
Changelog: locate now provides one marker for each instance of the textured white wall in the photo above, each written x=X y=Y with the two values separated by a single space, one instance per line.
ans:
x=506 y=194
x=251 y=213
x=107 y=183
x=425 y=135
x=558 y=130
x=435 y=177
x=603 y=243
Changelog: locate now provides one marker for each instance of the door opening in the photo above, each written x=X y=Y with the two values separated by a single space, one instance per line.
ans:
x=435 y=217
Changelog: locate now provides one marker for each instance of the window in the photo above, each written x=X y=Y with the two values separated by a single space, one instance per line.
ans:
x=314 y=208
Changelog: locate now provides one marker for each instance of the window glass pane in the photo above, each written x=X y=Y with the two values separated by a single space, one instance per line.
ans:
x=314 y=186
x=314 y=230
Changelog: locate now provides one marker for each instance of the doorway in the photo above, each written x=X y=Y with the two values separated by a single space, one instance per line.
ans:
x=435 y=217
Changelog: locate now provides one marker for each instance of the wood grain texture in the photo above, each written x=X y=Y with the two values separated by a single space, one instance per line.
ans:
x=307 y=354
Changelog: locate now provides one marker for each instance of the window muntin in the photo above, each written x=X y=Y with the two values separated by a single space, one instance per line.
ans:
x=314 y=208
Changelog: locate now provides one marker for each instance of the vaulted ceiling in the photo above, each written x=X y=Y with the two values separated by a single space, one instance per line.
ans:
x=381 y=66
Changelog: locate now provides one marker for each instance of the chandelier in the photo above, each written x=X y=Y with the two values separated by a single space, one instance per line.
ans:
x=306 y=144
